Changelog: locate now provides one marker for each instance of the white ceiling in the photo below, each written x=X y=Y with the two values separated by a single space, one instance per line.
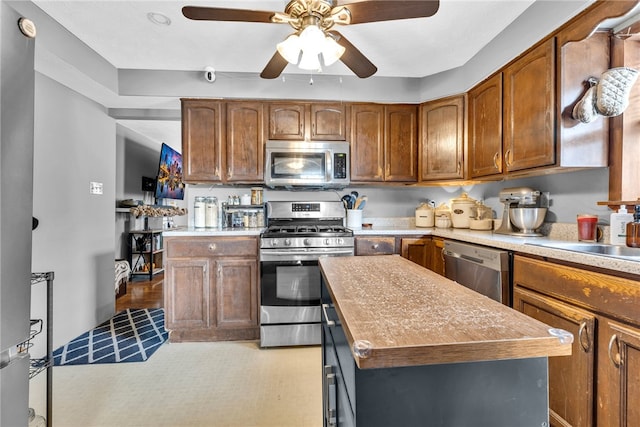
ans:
x=121 y=33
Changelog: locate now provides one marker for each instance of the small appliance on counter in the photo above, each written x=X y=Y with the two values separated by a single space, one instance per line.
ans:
x=524 y=211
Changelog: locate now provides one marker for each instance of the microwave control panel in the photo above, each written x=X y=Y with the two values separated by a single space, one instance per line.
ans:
x=340 y=166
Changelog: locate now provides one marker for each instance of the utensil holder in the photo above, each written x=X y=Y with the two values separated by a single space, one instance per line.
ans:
x=354 y=219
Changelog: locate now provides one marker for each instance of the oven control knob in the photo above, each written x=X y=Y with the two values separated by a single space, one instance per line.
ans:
x=274 y=242
x=339 y=241
x=307 y=242
x=287 y=242
x=327 y=242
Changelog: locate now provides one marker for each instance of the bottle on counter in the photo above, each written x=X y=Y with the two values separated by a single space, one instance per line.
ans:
x=199 y=212
x=633 y=230
x=618 y=225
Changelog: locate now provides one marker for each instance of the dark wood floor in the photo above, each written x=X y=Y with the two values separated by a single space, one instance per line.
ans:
x=142 y=294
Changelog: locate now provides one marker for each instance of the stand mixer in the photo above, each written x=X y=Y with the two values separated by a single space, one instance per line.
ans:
x=524 y=211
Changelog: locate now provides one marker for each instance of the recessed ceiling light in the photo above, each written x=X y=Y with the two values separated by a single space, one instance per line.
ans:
x=159 y=18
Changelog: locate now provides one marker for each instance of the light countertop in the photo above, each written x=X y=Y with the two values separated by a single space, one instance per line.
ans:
x=403 y=227
x=406 y=315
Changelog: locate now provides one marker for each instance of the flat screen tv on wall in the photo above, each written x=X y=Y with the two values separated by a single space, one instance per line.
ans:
x=169 y=183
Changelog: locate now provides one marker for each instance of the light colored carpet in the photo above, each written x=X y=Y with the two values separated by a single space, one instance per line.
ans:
x=223 y=384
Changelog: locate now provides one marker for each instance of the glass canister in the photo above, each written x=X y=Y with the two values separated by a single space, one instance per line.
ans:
x=211 y=212
x=199 y=212
x=256 y=195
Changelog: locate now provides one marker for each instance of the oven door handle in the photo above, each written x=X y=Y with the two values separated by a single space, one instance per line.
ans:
x=272 y=255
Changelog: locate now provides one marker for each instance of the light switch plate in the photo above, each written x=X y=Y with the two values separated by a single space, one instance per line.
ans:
x=95 y=188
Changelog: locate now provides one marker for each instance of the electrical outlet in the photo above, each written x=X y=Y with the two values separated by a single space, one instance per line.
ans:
x=95 y=188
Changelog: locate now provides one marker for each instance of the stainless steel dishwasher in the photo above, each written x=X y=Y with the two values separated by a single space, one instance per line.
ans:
x=485 y=270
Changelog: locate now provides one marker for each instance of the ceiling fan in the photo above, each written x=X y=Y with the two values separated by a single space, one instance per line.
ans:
x=313 y=37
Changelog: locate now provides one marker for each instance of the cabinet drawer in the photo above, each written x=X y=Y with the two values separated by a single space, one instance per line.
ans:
x=211 y=246
x=614 y=296
x=375 y=245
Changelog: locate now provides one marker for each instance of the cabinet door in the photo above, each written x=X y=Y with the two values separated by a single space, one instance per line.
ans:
x=287 y=121
x=245 y=142
x=571 y=387
x=442 y=139
x=375 y=245
x=328 y=122
x=529 y=109
x=485 y=128
x=202 y=131
x=417 y=250
x=618 y=375
x=236 y=293
x=187 y=294
x=367 y=142
x=437 y=258
x=401 y=143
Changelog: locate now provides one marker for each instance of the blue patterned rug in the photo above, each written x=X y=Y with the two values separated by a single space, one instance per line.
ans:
x=132 y=335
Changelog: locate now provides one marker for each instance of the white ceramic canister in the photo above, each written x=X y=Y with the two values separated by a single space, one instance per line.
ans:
x=443 y=216
x=462 y=210
x=425 y=215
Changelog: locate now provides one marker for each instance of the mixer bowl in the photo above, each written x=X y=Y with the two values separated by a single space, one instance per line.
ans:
x=527 y=219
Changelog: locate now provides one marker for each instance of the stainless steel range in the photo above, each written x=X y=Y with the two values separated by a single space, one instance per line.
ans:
x=298 y=234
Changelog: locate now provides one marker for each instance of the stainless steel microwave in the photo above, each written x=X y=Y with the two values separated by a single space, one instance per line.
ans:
x=302 y=164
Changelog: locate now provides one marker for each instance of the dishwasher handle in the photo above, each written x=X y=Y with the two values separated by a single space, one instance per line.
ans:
x=463 y=256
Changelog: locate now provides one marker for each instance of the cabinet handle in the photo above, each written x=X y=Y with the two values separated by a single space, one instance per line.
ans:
x=330 y=396
x=375 y=246
x=301 y=129
x=387 y=170
x=508 y=157
x=584 y=332
x=615 y=359
x=229 y=173
x=313 y=129
x=216 y=172
x=496 y=158
x=458 y=168
x=213 y=247
x=326 y=316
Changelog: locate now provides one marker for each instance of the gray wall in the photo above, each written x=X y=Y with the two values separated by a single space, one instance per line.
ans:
x=74 y=145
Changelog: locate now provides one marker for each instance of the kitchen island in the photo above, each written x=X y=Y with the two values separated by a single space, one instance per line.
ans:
x=405 y=346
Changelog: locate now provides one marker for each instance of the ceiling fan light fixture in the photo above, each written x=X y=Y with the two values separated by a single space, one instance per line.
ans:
x=290 y=48
x=310 y=61
x=312 y=39
x=331 y=51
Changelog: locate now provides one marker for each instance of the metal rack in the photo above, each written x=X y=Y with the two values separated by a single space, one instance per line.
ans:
x=40 y=364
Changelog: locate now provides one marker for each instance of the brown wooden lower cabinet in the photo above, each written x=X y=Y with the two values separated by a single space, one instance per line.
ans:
x=424 y=251
x=375 y=245
x=599 y=384
x=211 y=288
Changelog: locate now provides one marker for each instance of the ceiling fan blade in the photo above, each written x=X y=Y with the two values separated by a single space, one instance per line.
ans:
x=274 y=67
x=380 y=10
x=353 y=58
x=221 y=14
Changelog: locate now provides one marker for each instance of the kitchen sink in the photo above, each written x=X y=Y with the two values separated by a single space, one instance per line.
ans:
x=624 y=252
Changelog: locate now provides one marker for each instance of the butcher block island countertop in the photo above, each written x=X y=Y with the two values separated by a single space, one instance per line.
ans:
x=406 y=315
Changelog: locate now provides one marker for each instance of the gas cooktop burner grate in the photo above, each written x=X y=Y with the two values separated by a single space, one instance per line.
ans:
x=305 y=229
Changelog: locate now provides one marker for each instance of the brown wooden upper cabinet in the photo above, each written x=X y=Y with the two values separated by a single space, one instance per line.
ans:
x=245 y=142
x=441 y=154
x=202 y=133
x=485 y=128
x=529 y=109
x=384 y=143
x=222 y=142
x=308 y=121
